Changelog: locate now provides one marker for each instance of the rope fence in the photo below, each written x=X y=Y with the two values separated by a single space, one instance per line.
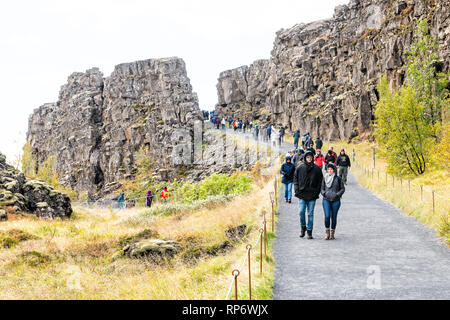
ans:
x=401 y=188
x=261 y=241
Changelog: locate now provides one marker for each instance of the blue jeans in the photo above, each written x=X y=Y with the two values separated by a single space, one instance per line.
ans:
x=331 y=210
x=288 y=190
x=303 y=205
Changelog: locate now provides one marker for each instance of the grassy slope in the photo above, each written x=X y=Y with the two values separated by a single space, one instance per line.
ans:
x=82 y=247
x=405 y=193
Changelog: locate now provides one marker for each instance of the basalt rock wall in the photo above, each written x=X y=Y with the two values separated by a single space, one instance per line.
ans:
x=321 y=76
x=98 y=124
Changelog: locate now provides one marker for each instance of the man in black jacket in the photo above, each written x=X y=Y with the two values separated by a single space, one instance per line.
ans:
x=319 y=143
x=307 y=183
x=343 y=163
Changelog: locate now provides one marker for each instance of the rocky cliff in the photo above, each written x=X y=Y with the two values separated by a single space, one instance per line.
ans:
x=98 y=124
x=22 y=194
x=321 y=77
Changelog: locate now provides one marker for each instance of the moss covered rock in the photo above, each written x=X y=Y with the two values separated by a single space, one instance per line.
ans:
x=152 y=248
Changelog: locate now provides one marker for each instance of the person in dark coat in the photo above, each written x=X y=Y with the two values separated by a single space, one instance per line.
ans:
x=282 y=132
x=287 y=170
x=330 y=157
x=332 y=191
x=319 y=143
x=296 y=138
x=149 y=199
x=343 y=164
x=307 y=183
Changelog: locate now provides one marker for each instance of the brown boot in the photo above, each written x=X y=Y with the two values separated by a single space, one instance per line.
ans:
x=328 y=234
x=332 y=234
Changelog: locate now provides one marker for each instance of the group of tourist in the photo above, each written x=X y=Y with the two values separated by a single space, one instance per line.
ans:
x=148 y=198
x=313 y=174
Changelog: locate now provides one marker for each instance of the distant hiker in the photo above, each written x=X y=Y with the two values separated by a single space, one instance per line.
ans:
x=307 y=183
x=149 y=199
x=343 y=163
x=319 y=143
x=269 y=131
x=230 y=121
x=309 y=143
x=298 y=157
x=121 y=201
x=331 y=157
x=303 y=141
x=287 y=170
x=217 y=123
x=256 y=132
x=282 y=132
x=332 y=191
x=223 y=123
x=319 y=159
x=235 y=125
x=296 y=138
x=164 y=195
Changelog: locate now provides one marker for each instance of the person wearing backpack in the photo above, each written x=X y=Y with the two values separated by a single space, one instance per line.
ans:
x=121 y=201
x=164 y=195
x=332 y=190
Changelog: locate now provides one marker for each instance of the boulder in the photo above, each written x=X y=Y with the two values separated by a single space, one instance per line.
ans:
x=3 y=215
x=23 y=194
x=152 y=248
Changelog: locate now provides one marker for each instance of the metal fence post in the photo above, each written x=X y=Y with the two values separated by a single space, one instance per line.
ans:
x=261 y=231
x=265 y=238
x=432 y=194
x=235 y=273
x=249 y=248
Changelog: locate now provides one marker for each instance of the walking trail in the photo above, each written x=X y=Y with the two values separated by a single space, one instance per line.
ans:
x=379 y=253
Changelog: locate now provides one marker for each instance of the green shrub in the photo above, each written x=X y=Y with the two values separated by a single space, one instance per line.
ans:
x=216 y=185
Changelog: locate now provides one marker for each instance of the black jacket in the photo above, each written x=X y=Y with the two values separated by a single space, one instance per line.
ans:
x=319 y=143
x=307 y=181
x=330 y=158
x=343 y=161
x=287 y=170
x=335 y=192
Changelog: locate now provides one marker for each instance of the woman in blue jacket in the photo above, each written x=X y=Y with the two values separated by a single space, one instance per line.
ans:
x=287 y=170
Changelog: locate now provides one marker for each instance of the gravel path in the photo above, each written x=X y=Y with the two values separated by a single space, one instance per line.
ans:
x=379 y=253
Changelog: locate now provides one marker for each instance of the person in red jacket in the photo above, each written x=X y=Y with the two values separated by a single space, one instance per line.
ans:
x=165 y=194
x=319 y=159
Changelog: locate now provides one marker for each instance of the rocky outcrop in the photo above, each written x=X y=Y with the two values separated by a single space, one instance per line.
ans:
x=98 y=124
x=321 y=77
x=24 y=195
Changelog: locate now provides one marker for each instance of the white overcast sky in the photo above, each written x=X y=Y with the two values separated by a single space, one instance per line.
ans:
x=43 y=41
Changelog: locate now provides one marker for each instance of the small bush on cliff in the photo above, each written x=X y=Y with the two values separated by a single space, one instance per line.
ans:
x=28 y=161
